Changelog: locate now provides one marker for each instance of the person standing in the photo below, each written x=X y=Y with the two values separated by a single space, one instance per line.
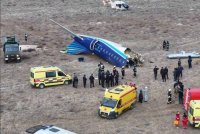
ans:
x=185 y=121
x=155 y=71
x=164 y=45
x=134 y=71
x=114 y=70
x=177 y=119
x=166 y=73
x=91 y=81
x=175 y=72
x=169 y=96
x=179 y=62
x=111 y=80
x=162 y=72
x=189 y=62
x=116 y=78
x=84 y=81
x=75 y=81
x=141 y=96
x=26 y=37
x=107 y=78
x=123 y=72
x=99 y=76
x=102 y=79
x=180 y=68
x=167 y=45
x=180 y=93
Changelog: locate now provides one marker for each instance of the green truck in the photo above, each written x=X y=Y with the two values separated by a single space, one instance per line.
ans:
x=11 y=49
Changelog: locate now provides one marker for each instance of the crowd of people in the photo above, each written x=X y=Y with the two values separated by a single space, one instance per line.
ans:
x=108 y=79
x=163 y=73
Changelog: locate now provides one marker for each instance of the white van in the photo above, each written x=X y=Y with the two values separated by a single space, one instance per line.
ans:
x=47 y=129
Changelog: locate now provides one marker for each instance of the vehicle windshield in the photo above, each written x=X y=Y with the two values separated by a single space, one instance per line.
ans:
x=107 y=102
x=12 y=48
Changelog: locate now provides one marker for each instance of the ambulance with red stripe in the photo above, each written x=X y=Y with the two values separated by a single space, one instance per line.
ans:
x=48 y=76
x=117 y=100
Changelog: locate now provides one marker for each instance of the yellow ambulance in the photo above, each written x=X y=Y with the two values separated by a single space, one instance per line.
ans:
x=117 y=100
x=48 y=76
x=194 y=113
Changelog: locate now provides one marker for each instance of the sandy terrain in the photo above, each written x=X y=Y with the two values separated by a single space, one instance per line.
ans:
x=142 y=28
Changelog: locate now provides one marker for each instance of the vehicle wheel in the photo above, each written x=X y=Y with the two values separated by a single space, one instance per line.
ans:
x=132 y=106
x=66 y=82
x=99 y=113
x=18 y=61
x=41 y=86
x=116 y=115
x=5 y=61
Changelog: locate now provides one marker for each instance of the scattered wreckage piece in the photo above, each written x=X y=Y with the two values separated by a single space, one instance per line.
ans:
x=111 y=52
x=119 y=5
x=183 y=54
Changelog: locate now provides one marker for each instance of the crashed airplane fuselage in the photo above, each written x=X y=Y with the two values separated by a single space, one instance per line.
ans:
x=107 y=50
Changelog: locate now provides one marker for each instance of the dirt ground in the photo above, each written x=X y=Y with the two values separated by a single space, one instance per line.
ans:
x=142 y=28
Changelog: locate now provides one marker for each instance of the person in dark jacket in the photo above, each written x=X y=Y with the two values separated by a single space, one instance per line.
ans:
x=123 y=72
x=180 y=93
x=175 y=73
x=166 y=73
x=107 y=78
x=99 y=76
x=141 y=96
x=169 y=97
x=134 y=71
x=111 y=80
x=75 y=81
x=116 y=78
x=167 y=45
x=155 y=71
x=164 y=45
x=179 y=62
x=102 y=79
x=180 y=68
x=162 y=72
x=91 y=81
x=189 y=62
x=84 y=81
x=26 y=37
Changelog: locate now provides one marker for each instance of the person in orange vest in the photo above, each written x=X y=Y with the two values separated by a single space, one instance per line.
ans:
x=177 y=119
x=185 y=121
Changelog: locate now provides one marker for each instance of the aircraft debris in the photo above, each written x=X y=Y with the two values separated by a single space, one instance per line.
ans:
x=112 y=52
x=183 y=54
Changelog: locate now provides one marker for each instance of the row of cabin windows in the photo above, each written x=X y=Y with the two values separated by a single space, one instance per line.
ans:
x=115 y=57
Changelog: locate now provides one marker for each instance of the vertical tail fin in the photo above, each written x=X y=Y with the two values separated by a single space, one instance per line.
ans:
x=67 y=30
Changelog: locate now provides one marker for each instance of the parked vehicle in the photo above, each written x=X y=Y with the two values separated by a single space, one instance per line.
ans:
x=47 y=129
x=117 y=100
x=11 y=49
x=48 y=76
x=190 y=94
x=194 y=113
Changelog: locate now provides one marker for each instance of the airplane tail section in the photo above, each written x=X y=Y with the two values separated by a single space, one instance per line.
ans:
x=67 y=30
x=76 y=48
